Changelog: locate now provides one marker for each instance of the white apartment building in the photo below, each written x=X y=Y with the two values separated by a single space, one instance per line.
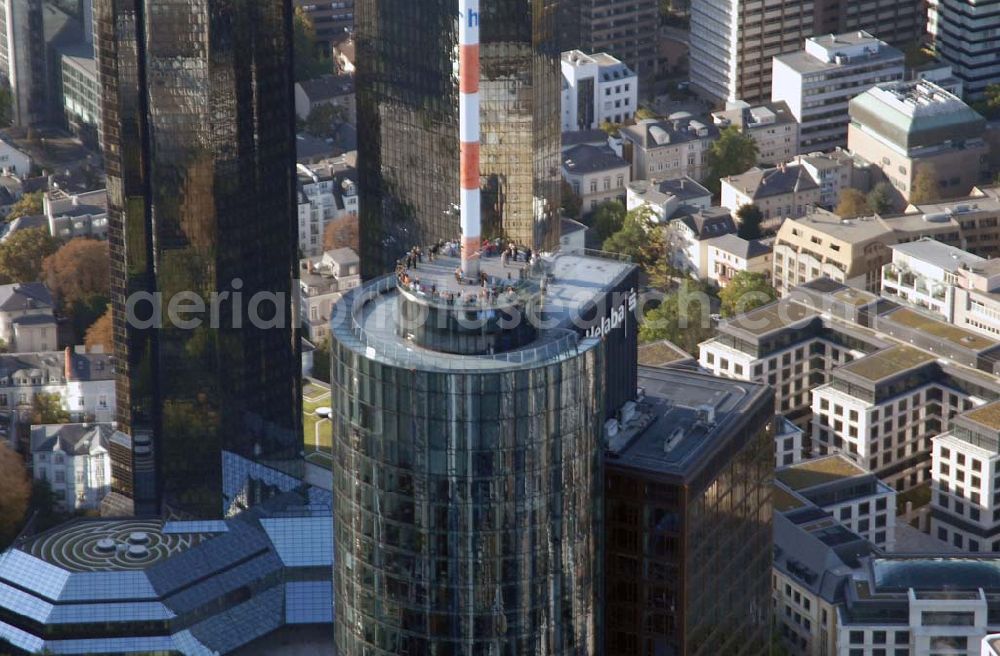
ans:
x=75 y=461
x=964 y=34
x=772 y=127
x=733 y=43
x=689 y=237
x=788 y=440
x=27 y=319
x=596 y=175
x=849 y=492
x=596 y=89
x=819 y=81
x=667 y=198
x=669 y=149
x=327 y=191
x=322 y=281
x=730 y=254
x=966 y=481
x=76 y=215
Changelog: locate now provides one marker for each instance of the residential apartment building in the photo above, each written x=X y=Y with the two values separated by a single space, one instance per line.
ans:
x=81 y=92
x=907 y=127
x=963 y=34
x=27 y=319
x=944 y=280
x=772 y=126
x=730 y=254
x=965 y=504
x=596 y=89
x=668 y=198
x=835 y=171
x=846 y=490
x=74 y=460
x=850 y=251
x=819 y=81
x=596 y=175
x=335 y=91
x=333 y=20
x=785 y=191
x=327 y=191
x=669 y=149
x=734 y=41
x=76 y=215
x=13 y=161
x=689 y=238
x=323 y=280
x=625 y=29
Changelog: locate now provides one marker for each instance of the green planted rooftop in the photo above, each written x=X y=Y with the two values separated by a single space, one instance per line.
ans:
x=887 y=363
x=818 y=471
x=987 y=415
x=772 y=317
x=940 y=329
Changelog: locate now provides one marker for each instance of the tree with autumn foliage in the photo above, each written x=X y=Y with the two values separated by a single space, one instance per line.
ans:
x=78 y=274
x=15 y=493
x=101 y=333
x=341 y=233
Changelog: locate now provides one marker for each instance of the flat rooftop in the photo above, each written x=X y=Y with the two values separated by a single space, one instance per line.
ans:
x=952 y=573
x=818 y=471
x=940 y=329
x=987 y=415
x=854 y=297
x=887 y=363
x=694 y=414
x=661 y=354
x=772 y=317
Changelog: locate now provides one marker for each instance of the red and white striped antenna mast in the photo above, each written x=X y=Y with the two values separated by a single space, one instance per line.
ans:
x=468 y=127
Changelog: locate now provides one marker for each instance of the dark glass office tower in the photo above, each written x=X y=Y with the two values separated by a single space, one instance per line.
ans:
x=407 y=100
x=199 y=149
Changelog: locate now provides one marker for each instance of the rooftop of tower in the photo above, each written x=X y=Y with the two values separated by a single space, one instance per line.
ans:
x=566 y=285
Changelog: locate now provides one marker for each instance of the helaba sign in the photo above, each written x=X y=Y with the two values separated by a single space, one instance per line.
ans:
x=618 y=317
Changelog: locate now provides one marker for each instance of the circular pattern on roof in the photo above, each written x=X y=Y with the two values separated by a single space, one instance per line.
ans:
x=90 y=546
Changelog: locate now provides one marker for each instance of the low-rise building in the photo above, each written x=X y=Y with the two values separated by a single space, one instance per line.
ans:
x=970 y=222
x=909 y=127
x=785 y=191
x=819 y=81
x=327 y=191
x=731 y=254
x=835 y=171
x=668 y=149
x=12 y=160
x=849 y=492
x=689 y=237
x=851 y=251
x=76 y=215
x=596 y=89
x=74 y=460
x=27 y=319
x=965 y=504
x=772 y=126
x=668 y=198
x=572 y=236
x=327 y=90
x=596 y=174
x=925 y=274
x=322 y=281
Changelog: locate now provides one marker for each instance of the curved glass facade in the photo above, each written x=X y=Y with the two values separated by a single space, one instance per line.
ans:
x=407 y=106
x=467 y=506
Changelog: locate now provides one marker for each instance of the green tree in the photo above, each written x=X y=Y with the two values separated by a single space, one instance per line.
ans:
x=684 y=317
x=733 y=152
x=610 y=129
x=15 y=492
x=309 y=60
x=607 y=219
x=48 y=409
x=639 y=238
x=925 y=186
x=322 y=120
x=22 y=255
x=44 y=505
x=881 y=198
x=746 y=291
x=571 y=202
x=750 y=218
x=321 y=361
x=851 y=203
x=27 y=205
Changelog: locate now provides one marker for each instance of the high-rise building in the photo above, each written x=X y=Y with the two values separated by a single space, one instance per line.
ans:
x=898 y=23
x=964 y=36
x=332 y=20
x=199 y=145
x=467 y=454
x=408 y=154
x=626 y=29
x=22 y=58
x=688 y=503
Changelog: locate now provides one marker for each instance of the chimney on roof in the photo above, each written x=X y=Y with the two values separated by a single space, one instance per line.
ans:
x=68 y=364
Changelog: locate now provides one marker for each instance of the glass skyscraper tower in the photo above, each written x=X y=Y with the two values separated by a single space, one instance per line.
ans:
x=199 y=144
x=407 y=101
